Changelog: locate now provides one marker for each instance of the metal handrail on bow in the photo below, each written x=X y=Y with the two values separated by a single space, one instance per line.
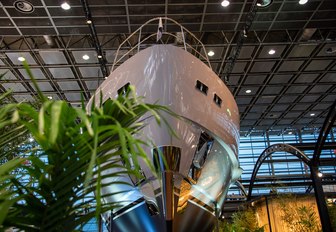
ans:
x=140 y=41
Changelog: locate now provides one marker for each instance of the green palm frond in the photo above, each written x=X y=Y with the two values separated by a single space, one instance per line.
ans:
x=57 y=187
x=17 y=135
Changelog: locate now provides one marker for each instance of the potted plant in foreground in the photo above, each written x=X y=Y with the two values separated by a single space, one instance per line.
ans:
x=55 y=185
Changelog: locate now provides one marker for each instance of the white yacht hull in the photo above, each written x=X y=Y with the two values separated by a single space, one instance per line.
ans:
x=202 y=158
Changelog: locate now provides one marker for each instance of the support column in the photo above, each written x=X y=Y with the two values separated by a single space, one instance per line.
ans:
x=268 y=214
x=320 y=199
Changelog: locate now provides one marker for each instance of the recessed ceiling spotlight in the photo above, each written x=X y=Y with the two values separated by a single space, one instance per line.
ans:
x=312 y=114
x=264 y=3
x=271 y=52
x=290 y=132
x=100 y=56
x=23 y=6
x=330 y=50
x=21 y=58
x=65 y=6
x=248 y=91
x=88 y=21
x=225 y=3
x=211 y=53
x=86 y=57
x=319 y=174
x=302 y=2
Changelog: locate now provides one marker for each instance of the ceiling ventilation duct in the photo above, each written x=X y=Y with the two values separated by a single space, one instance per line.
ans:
x=307 y=34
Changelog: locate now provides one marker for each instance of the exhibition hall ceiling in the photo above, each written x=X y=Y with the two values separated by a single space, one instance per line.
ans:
x=279 y=61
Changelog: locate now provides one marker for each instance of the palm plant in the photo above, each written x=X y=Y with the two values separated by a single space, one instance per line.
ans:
x=10 y=149
x=56 y=186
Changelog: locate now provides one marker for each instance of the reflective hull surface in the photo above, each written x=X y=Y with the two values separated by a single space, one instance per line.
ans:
x=201 y=159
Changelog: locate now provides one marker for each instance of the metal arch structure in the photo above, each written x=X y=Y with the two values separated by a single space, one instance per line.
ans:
x=241 y=187
x=320 y=144
x=270 y=150
x=327 y=125
x=313 y=165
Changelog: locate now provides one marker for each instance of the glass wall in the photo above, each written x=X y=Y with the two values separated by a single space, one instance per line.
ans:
x=281 y=170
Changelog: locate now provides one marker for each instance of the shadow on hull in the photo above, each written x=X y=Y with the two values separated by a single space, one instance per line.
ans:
x=140 y=219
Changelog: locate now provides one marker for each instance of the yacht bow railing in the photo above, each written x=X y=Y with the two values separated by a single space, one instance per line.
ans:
x=141 y=41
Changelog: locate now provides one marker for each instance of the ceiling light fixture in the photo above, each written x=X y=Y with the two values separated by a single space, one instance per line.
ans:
x=330 y=50
x=50 y=97
x=319 y=174
x=100 y=56
x=88 y=21
x=86 y=57
x=264 y=3
x=302 y=2
x=65 y=6
x=248 y=91
x=225 y=3
x=23 y=6
x=244 y=33
x=271 y=52
x=21 y=58
x=211 y=53
x=290 y=132
x=312 y=114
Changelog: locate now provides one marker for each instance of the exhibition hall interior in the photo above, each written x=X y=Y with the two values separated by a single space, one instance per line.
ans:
x=276 y=57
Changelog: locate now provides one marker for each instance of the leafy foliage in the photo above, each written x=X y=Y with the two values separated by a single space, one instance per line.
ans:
x=298 y=217
x=58 y=186
x=242 y=221
x=9 y=150
x=332 y=214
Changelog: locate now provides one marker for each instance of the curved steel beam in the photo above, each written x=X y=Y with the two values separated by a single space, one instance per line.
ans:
x=327 y=125
x=320 y=144
x=241 y=187
x=270 y=150
x=316 y=181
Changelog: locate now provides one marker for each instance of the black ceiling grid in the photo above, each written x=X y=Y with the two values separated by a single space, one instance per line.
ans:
x=297 y=81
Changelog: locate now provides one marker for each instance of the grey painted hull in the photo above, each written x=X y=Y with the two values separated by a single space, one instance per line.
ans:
x=202 y=159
